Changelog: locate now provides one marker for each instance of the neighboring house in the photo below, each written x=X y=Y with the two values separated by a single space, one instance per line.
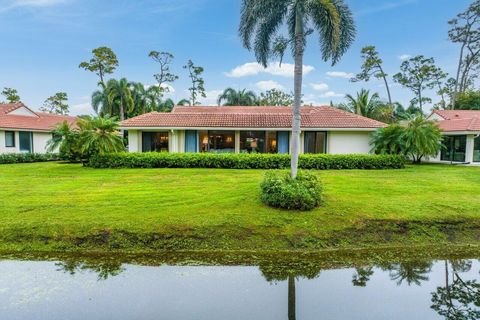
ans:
x=461 y=130
x=249 y=130
x=25 y=130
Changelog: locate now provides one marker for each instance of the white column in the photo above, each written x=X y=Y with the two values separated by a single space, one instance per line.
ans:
x=469 y=149
x=237 y=141
x=133 y=143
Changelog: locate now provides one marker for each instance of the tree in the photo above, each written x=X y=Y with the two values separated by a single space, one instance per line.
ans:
x=418 y=74
x=104 y=61
x=65 y=140
x=145 y=99
x=120 y=98
x=469 y=100
x=388 y=140
x=465 y=31
x=260 y=27
x=58 y=104
x=198 y=84
x=372 y=67
x=364 y=104
x=232 y=97
x=413 y=272
x=99 y=135
x=422 y=138
x=275 y=98
x=11 y=95
x=165 y=76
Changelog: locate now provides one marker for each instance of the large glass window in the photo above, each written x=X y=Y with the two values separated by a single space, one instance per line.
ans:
x=315 y=142
x=26 y=141
x=252 y=141
x=454 y=148
x=9 y=139
x=217 y=141
x=271 y=142
x=155 y=141
x=476 y=150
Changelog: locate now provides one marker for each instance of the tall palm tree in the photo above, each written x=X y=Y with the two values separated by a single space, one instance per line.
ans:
x=100 y=102
x=145 y=99
x=232 y=97
x=364 y=104
x=120 y=97
x=261 y=22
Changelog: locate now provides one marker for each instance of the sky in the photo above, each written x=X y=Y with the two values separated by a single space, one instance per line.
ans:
x=42 y=43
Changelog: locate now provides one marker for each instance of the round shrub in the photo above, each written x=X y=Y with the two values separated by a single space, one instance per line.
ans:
x=279 y=190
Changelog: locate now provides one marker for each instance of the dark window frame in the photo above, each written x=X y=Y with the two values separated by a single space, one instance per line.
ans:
x=476 y=142
x=13 y=145
x=449 y=153
x=315 y=141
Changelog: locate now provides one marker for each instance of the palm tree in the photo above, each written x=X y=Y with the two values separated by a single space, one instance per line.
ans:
x=65 y=140
x=120 y=97
x=99 y=135
x=261 y=21
x=145 y=99
x=167 y=105
x=100 y=102
x=232 y=97
x=364 y=104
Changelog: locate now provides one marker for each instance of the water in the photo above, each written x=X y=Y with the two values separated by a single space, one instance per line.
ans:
x=73 y=289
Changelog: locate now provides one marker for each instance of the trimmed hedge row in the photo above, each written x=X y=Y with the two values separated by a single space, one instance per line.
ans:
x=245 y=161
x=27 y=157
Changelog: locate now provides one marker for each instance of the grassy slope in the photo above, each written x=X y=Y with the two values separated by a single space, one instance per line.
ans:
x=62 y=206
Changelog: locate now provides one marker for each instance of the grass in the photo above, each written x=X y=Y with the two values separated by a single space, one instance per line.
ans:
x=56 y=206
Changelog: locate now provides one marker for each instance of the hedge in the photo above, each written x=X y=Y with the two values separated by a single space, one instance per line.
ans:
x=27 y=157
x=245 y=161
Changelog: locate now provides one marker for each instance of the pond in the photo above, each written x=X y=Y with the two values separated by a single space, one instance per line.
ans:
x=96 y=288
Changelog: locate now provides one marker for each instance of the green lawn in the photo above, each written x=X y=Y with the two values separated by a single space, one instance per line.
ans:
x=55 y=206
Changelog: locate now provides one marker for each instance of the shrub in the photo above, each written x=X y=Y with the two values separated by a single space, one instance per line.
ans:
x=279 y=190
x=9 y=158
x=244 y=161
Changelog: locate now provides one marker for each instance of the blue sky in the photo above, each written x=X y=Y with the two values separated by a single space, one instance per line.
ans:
x=43 y=41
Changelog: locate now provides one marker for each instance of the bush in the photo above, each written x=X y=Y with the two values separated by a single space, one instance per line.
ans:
x=244 y=161
x=279 y=190
x=27 y=157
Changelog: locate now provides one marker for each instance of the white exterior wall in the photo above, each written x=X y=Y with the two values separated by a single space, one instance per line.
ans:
x=339 y=142
x=40 y=140
x=134 y=141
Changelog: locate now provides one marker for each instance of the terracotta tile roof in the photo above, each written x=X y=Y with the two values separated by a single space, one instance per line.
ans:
x=459 y=120
x=250 y=117
x=37 y=121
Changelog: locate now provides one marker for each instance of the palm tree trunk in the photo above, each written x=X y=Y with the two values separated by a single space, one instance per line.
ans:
x=298 y=78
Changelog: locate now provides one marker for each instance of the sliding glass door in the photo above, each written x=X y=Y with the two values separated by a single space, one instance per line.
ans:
x=26 y=141
x=217 y=141
x=454 y=148
x=154 y=141
x=315 y=142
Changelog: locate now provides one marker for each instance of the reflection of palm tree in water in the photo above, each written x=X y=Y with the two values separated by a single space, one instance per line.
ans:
x=292 y=306
x=459 y=299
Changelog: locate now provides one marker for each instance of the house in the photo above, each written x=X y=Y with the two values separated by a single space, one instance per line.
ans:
x=25 y=130
x=461 y=130
x=249 y=130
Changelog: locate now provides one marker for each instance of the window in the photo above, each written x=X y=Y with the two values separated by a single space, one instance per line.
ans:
x=271 y=143
x=252 y=141
x=454 y=148
x=217 y=141
x=26 y=141
x=155 y=141
x=10 y=139
x=315 y=142
x=476 y=150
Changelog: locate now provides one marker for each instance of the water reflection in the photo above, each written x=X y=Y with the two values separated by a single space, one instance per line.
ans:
x=410 y=289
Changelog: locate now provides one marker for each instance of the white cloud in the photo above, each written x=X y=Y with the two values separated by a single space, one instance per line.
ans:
x=30 y=3
x=81 y=109
x=212 y=98
x=319 y=86
x=254 y=68
x=340 y=74
x=404 y=57
x=268 y=85
x=332 y=94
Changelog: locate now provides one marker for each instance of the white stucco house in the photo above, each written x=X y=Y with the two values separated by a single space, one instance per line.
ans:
x=461 y=130
x=25 y=130
x=249 y=130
